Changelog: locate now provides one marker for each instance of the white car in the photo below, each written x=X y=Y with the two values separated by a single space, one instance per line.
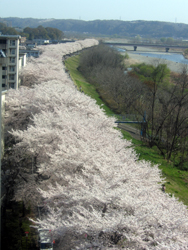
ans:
x=45 y=239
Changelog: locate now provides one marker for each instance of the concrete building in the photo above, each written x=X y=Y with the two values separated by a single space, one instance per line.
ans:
x=22 y=59
x=2 y=106
x=9 y=44
x=41 y=41
x=2 y=111
x=30 y=44
x=10 y=63
x=30 y=52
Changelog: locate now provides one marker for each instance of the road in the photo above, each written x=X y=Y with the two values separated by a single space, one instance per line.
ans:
x=135 y=133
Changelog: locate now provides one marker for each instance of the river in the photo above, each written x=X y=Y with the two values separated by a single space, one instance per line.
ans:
x=174 y=57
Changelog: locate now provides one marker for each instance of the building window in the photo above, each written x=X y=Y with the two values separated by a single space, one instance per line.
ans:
x=3 y=85
x=12 y=42
x=2 y=41
x=11 y=77
x=12 y=59
x=4 y=68
x=4 y=77
x=12 y=68
x=12 y=85
x=12 y=51
x=5 y=51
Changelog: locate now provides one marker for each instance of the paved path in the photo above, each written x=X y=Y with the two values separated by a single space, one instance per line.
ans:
x=134 y=132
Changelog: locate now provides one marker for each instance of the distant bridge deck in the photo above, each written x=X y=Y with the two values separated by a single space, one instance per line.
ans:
x=135 y=45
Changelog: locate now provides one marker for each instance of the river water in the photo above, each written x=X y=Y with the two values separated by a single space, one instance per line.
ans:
x=174 y=57
x=165 y=56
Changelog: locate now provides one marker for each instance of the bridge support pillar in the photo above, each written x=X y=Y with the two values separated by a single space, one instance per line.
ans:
x=135 y=47
x=167 y=49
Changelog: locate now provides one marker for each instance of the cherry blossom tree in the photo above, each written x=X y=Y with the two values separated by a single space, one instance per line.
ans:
x=95 y=192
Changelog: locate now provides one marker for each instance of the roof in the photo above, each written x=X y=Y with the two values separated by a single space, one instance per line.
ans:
x=45 y=236
x=10 y=36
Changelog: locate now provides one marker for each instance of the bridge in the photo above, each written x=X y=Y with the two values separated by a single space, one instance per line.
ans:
x=135 y=45
x=124 y=121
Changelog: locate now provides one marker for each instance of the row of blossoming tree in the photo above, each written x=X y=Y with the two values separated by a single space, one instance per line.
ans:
x=69 y=159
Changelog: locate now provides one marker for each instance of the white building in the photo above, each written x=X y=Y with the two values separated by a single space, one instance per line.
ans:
x=2 y=108
x=41 y=41
x=22 y=60
x=9 y=44
x=30 y=52
x=10 y=63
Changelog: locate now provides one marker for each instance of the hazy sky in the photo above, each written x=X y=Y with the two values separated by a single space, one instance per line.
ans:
x=127 y=10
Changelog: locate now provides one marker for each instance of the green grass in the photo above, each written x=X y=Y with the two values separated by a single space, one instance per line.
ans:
x=79 y=80
x=176 y=180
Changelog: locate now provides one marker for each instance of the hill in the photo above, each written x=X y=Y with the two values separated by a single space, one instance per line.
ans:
x=105 y=27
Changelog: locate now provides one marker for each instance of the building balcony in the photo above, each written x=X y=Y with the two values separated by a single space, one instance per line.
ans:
x=12 y=63
x=4 y=88
x=11 y=81
x=4 y=81
x=10 y=72
x=3 y=46
x=11 y=55
x=12 y=46
x=3 y=60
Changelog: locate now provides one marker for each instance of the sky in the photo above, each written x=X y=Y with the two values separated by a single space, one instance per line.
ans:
x=126 y=10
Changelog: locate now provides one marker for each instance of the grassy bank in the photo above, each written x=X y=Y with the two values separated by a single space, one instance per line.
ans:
x=176 y=180
x=90 y=90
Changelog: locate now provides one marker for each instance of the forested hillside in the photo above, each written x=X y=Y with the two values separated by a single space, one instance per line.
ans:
x=106 y=27
x=95 y=191
x=33 y=33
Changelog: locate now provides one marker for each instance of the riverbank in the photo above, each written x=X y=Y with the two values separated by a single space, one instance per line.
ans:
x=137 y=57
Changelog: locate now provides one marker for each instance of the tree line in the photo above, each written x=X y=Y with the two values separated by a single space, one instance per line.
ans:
x=68 y=158
x=114 y=28
x=33 y=33
x=149 y=89
x=43 y=33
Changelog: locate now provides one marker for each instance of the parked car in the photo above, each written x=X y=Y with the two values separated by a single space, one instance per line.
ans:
x=45 y=239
